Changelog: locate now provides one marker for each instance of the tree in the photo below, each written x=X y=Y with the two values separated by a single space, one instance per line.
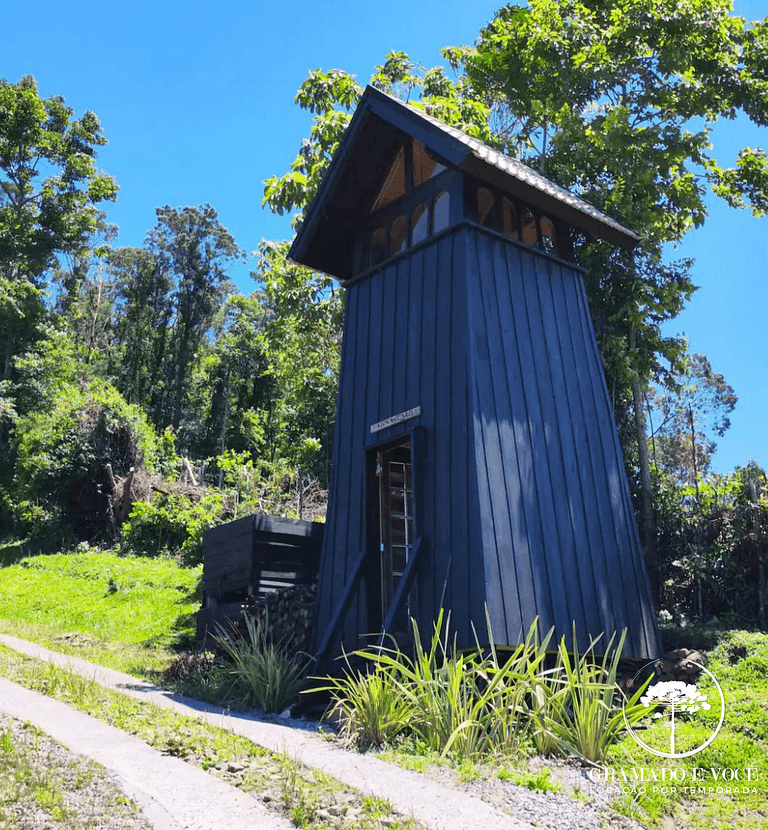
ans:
x=301 y=340
x=230 y=383
x=143 y=305
x=68 y=453
x=685 y=420
x=195 y=249
x=49 y=189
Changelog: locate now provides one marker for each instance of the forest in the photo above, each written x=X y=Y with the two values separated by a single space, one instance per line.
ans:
x=143 y=399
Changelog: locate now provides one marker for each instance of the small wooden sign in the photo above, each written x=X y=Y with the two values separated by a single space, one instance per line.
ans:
x=396 y=419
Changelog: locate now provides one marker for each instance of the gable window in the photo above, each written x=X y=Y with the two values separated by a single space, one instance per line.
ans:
x=394 y=184
x=441 y=211
x=413 y=176
x=419 y=224
x=502 y=213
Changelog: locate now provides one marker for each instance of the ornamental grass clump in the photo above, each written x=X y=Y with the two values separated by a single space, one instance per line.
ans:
x=448 y=702
x=578 y=707
x=264 y=673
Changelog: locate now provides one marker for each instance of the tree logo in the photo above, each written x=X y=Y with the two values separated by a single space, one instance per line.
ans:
x=667 y=714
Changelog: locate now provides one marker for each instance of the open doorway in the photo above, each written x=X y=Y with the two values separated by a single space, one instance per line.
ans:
x=391 y=532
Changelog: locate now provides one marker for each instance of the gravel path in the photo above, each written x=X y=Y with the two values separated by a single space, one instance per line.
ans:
x=437 y=799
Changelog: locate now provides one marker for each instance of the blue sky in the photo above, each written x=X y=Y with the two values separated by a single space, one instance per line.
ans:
x=196 y=100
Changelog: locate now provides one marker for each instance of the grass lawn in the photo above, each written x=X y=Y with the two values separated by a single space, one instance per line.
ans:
x=122 y=612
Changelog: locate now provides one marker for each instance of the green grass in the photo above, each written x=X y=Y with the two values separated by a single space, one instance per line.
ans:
x=122 y=612
x=741 y=743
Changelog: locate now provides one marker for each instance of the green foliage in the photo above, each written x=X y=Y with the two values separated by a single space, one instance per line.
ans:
x=300 y=340
x=480 y=704
x=173 y=525
x=462 y=705
x=265 y=674
x=49 y=190
x=578 y=711
x=712 y=542
x=63 y=453
x=42 y=217
x=685 y=419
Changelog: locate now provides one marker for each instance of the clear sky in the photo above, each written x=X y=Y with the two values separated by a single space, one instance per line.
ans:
x=196 y=100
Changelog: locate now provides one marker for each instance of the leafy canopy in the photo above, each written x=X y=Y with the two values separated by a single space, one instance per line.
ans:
x=613 y=99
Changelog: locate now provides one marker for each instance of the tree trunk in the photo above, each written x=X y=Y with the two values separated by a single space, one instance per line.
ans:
x=693 y=454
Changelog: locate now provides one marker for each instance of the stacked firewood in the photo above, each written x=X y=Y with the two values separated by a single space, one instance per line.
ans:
x=288 y=615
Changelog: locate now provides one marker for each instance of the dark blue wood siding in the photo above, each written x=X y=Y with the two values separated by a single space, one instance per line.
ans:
x=559 y=534
x=405 y=346
x=525 y=501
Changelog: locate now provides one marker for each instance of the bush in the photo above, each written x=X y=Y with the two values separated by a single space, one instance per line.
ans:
x=172 y=525
x=264 y=673
x=482 y=703
x=63 y=453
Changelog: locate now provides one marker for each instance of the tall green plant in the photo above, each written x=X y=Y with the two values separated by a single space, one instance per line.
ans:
x=452 y=703
x=579 y=707
x=264 y=673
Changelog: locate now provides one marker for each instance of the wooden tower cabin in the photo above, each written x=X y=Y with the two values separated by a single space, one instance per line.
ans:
x=476 y=461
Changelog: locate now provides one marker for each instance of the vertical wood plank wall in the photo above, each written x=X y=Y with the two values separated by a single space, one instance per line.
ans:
x=526 y=504
x=559 y=526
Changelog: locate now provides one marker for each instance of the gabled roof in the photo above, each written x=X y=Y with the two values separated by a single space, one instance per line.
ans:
x=326 y=237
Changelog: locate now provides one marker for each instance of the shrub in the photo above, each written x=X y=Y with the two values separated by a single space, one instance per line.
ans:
x=172 y=525
x=264 y=673
x=483 y=703
x=463 y=705
x=63 y=453
x=580 y=712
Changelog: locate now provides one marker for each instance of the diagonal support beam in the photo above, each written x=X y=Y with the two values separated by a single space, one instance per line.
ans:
x=341 y=609
x=403 y=588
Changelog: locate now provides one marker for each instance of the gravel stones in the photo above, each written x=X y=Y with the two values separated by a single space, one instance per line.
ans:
x=43 y=785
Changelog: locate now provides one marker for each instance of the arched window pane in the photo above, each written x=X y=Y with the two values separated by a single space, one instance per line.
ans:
x=548 y=234
x=394 y=184
x=397 y=238
x=509 y=218
x=528 y=224
x=419 y=224
x=440 y=212
x=378 y=245
x=424 y=165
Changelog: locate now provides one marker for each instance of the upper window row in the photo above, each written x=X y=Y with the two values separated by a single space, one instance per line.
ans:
x=413 y=166
x=425 y=220
x=518 y=221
